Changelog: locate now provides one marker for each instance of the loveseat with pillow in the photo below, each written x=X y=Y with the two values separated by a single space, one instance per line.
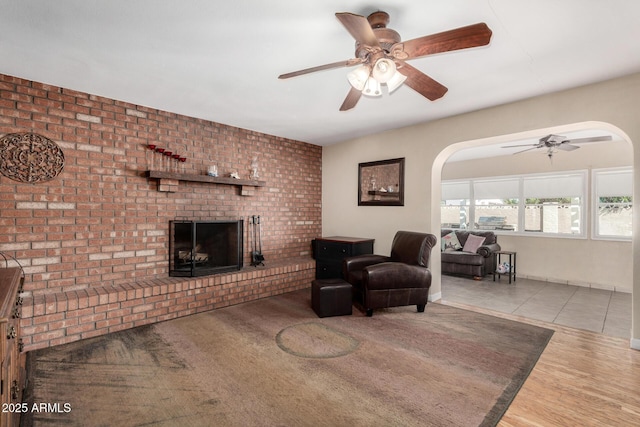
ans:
x=468 y=253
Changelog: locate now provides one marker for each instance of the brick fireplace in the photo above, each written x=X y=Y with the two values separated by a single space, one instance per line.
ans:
x=94 y=241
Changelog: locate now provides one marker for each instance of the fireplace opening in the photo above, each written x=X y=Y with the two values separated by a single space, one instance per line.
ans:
x=201 y=248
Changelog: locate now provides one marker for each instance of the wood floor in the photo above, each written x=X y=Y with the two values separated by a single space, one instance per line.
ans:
x=582 y=379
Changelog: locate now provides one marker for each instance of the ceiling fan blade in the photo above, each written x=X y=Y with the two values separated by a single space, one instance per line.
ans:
x=422 y=83
x=567 y=147
x=359 y=28
x=351 y=100
x=460 y=38
x=522 y=145
x=347 y=63
x=528 y=149
x=589 y=139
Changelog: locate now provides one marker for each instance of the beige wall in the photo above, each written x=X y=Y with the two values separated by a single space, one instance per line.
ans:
x=426 y=146
x=563 y=260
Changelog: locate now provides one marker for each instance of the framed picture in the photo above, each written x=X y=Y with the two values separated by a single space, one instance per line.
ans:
x=381 y=183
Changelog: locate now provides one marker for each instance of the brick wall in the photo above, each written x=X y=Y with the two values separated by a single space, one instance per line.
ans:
x=102 y=226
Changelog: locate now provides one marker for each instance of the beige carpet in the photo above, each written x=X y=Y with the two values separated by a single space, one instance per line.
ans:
x=272 y=362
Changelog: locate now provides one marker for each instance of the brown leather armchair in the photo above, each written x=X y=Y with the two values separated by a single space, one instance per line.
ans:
x=389 y=281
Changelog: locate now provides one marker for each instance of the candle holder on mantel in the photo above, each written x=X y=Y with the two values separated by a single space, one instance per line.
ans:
x=175 y=163
x=149 y=154
x=167 y=166
x=161 y=159
x=160 y=153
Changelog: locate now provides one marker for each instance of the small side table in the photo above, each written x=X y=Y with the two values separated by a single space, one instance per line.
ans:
x=512 y=264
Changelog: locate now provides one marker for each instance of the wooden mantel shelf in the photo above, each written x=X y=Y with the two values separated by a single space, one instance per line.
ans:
x=168 y=181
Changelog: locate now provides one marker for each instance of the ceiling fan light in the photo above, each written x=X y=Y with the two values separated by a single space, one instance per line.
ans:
x=372 y=88
x=384 y=70
x=358 y=77
x=396 y=81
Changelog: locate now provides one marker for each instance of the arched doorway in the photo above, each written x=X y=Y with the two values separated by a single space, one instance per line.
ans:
x=441 y=159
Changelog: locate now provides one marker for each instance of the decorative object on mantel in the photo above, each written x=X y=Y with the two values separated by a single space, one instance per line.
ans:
x=29 y=157
x=254 y=168
x=160 y=152
x=212 y=170
x=167 y=162
x=234 y=175
x=176 y=162
x=159 y=158
x=150 y=156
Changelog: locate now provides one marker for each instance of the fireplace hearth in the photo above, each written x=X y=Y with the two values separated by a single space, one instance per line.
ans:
x=201 y=248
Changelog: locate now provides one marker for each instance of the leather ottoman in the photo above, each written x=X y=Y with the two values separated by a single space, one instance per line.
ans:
x=331 y=297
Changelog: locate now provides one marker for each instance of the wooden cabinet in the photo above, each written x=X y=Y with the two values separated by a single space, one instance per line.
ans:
x=12 y=372
x=330 y=251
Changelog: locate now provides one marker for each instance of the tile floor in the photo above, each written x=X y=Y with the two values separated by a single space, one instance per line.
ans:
x=595 y=310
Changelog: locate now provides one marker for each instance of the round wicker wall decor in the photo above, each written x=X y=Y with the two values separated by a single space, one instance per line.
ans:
x=29 y=157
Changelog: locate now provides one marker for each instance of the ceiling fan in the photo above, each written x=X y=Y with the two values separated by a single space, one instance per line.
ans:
x=380 y=55
x=553 y=143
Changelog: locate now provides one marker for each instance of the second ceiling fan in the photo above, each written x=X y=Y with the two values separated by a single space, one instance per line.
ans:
x=381 y=56
x=553 y=143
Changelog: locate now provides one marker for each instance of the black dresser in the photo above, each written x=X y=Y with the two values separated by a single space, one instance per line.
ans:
x=330 y=251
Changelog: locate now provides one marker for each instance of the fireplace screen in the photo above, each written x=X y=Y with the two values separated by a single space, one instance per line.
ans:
x=200 y=248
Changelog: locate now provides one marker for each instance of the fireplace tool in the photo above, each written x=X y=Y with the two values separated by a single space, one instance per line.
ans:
x=256 y=232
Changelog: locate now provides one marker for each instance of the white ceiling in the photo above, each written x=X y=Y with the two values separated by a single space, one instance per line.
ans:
x=220 y=60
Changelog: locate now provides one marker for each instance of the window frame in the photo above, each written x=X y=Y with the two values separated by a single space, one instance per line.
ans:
x=595 y=197
x=583 y=205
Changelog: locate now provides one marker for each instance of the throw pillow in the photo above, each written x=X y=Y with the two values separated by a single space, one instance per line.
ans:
x=473 y=243
x=450 y=242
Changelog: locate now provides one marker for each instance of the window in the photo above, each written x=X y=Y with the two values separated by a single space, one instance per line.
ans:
x=496 y=204
x=454 y=209
x=553 y=203
x=545 y=204
x=613 y=203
